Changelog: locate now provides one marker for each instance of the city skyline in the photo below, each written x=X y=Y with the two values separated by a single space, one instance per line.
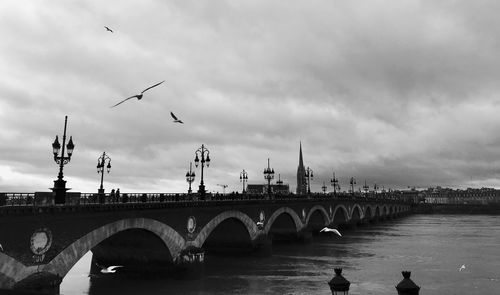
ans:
x=398 y=94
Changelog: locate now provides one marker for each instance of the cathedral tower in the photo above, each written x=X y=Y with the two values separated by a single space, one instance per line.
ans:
x=301 y=175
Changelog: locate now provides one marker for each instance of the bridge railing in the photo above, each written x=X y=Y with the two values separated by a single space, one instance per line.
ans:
x=16 y=199
x=108 y=198
x=46 y=198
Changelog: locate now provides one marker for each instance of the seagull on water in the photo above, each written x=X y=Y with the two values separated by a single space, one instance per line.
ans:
x=462 y=267
x=108 y=29
x=109 y=269
x=138 y=96
x=175 y=118
x=330 y=230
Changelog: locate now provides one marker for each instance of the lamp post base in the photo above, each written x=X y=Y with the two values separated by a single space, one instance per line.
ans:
x=101 y=196
x=60 y=191
x=201 y=191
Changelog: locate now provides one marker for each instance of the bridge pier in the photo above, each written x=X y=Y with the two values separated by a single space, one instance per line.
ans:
x=262 y=245
x=305 y=236
x=189 y=265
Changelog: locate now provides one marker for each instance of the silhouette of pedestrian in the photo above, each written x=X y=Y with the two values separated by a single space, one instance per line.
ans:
x=112 y=196
x=118 y=194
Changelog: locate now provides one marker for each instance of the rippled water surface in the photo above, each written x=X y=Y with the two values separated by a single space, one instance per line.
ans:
x=432 y=247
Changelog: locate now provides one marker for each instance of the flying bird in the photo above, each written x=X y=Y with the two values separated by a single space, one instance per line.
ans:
x=260 y=223
x=462 y=267
x=108 y=29
x=330 y=230
x=175 y=118
x=138 y=96
x=109 y=269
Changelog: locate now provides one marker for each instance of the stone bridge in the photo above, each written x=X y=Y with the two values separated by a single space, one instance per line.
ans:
x=40 y=244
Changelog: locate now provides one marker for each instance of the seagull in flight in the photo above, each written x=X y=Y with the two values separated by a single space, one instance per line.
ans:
x=175 y=118
x=108 y=29
x=330 y=230
x=138 y=96
x=260 y=223
x=462 y=267
x=109 y=269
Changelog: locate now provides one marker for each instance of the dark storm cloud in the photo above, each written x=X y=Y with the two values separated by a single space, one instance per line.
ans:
x=401 y=93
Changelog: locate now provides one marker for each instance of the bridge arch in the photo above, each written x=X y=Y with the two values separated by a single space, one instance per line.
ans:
x=212 y=224
x=323 y=212
x=360 y=211
x=343 y=211
x=384 y=211
x=284 y=210
x=368 y=213
x=64 y=261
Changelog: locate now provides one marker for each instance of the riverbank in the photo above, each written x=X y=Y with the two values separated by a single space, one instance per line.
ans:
x=493 y=209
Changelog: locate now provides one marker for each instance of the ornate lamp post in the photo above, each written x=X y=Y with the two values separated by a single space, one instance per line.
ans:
x=60 y=185
x=101 y=163
x=366 y=188
x=268 y=175
x=243 y=178
x=279 y=182
x=324 y=188
x=335 y=183
x=190 y=176
x=352 y=182
x=204 y=154
x=309 y=175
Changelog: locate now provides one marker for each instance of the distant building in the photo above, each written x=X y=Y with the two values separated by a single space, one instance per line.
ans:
x=301 y=175
x=258 y=189
x=441 y=195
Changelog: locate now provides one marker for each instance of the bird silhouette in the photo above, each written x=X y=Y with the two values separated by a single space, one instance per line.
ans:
x=108 y=29
x=175 y=118
x=138 y=96
x=109 y=269
x=330 y=230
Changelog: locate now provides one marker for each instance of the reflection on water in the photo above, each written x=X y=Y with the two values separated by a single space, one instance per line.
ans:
x=433 y=247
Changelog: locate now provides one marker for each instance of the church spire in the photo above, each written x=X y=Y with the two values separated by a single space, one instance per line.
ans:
x=301 y=161
x=301 y=174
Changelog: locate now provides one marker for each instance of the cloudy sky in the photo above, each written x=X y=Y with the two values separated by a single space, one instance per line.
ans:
x=401 y=93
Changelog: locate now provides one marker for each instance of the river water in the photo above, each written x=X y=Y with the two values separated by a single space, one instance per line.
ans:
x=432 y=247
